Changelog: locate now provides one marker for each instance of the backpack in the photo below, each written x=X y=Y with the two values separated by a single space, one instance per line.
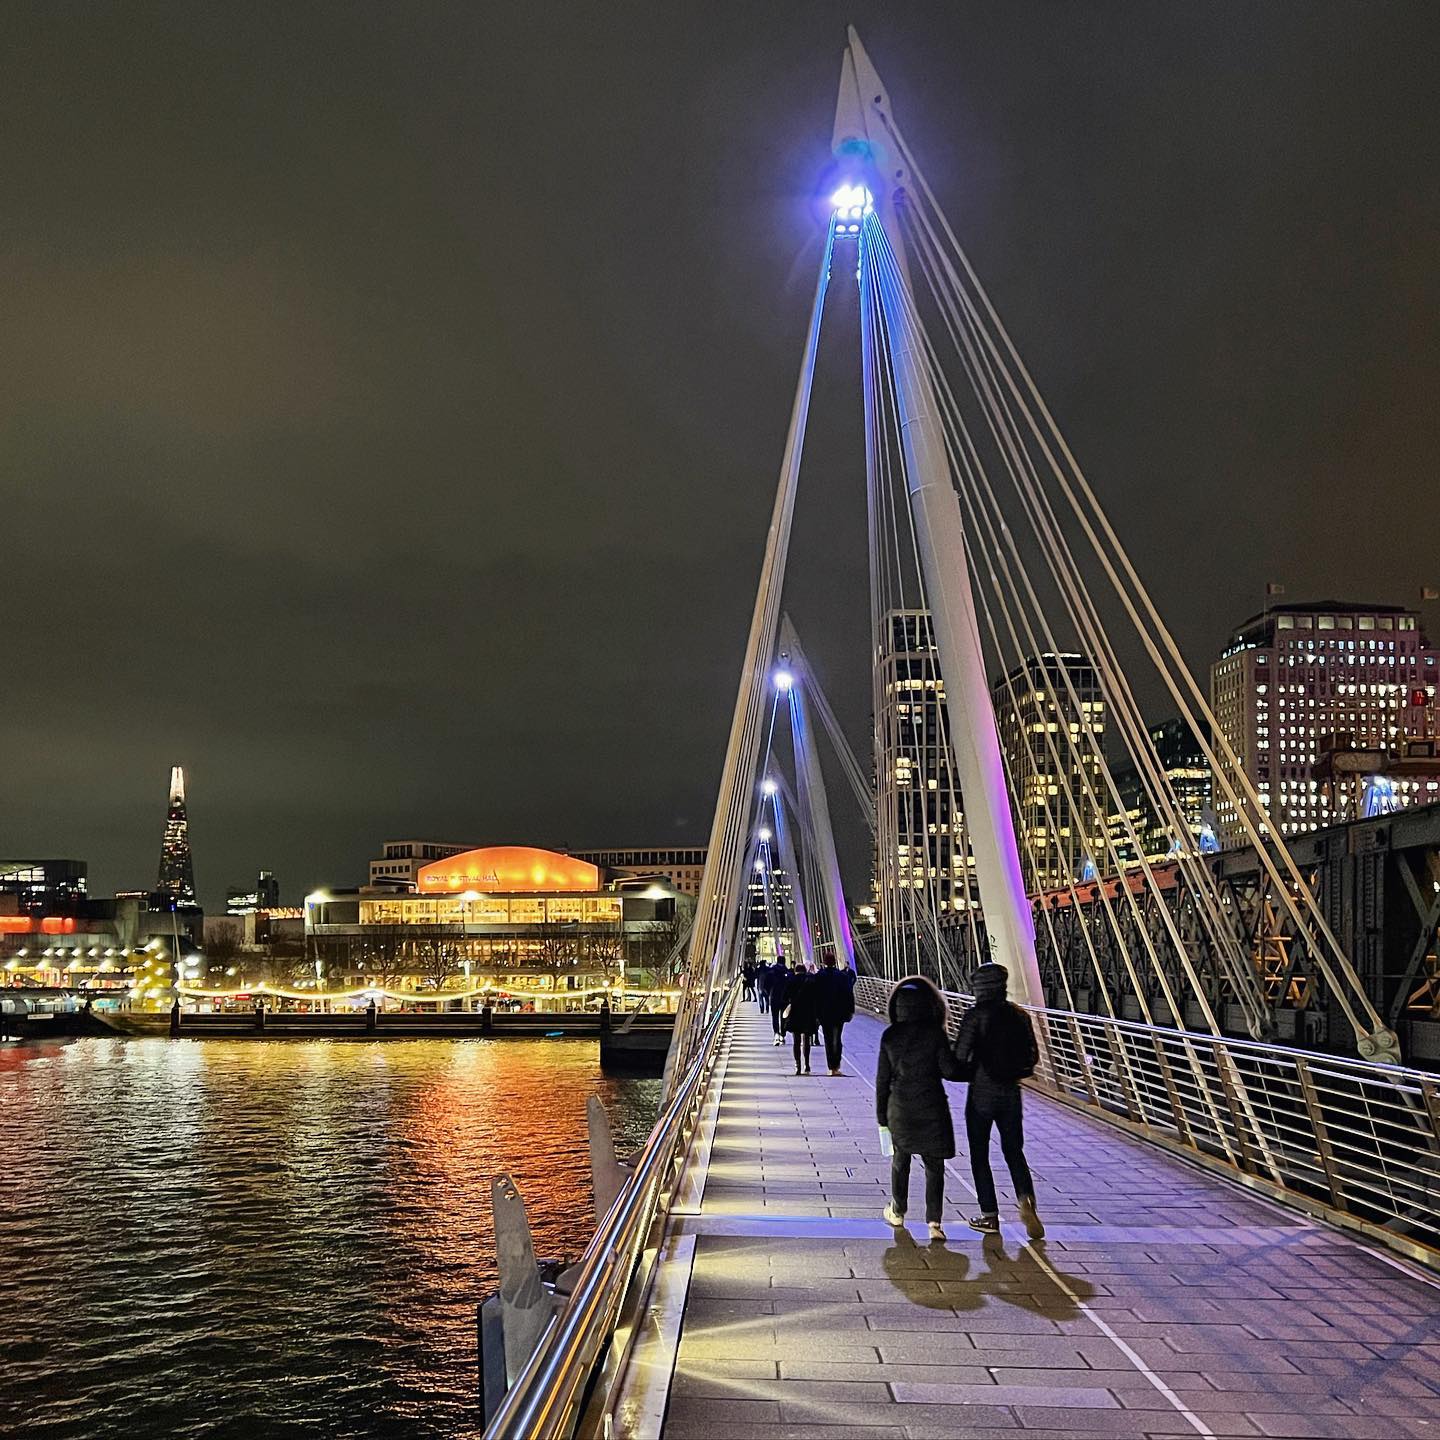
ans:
x=1005 y=1048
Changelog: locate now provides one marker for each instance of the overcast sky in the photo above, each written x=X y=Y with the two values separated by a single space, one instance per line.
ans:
x=391 y=396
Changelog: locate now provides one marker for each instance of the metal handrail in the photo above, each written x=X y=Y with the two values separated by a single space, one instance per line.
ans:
x=1352 y=1141
x=547 y=1396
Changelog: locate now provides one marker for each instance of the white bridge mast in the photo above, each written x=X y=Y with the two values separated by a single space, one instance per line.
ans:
x=861 y=138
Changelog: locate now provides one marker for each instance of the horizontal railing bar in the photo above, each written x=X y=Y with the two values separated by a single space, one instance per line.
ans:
x=546 y=1394
x=1352 y=1140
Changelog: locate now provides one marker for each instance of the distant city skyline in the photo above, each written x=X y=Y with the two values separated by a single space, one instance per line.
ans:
x=399 y=479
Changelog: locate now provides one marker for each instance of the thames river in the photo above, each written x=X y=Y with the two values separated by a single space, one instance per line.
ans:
x=274 y=1238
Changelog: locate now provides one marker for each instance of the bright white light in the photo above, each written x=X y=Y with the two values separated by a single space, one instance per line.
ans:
x=853 y=202
x=759 y=867
x=764 y=836
x=317 y=897
x=783 y=680
x=768 y=787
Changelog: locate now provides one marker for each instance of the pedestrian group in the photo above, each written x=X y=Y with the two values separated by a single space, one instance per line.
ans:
x=993 y=1051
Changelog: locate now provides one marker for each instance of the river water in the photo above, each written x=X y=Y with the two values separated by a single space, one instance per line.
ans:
x=258 y=1238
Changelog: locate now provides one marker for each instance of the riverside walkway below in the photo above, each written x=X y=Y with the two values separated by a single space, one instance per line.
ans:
x=1163 y=1302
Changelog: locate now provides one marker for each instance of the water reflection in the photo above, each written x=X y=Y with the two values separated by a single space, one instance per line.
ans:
x=276 y=1237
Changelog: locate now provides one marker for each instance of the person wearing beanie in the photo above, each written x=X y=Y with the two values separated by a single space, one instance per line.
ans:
x=996 y=1047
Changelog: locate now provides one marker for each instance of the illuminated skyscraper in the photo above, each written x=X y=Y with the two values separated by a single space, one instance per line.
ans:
x=1043 y=710
x=177 y=871
x=1297 y=674
x=920 y=828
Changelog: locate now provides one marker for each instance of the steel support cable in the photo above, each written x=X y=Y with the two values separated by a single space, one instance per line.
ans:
x=880 y=403
x=1159 y=792
x=1139 y=923
x=1165 y=654
x=1049 y=814
x=1138 y=739
x=957 y=840
x=1200 y=1078
x=1071 y=585
x=712 y=944
x=1222 y=940
x=849 y=764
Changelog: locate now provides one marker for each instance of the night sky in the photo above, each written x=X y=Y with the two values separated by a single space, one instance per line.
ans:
x=391 y=396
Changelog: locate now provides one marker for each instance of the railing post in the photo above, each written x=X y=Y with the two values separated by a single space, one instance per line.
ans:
x=1232 y=1103
x=1122 y=1069
x=1082 y=1057
x=1177 y=1107
x=1317 y=1126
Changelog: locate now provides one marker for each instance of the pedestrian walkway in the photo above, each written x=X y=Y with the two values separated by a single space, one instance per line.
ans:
x=1163 y=1302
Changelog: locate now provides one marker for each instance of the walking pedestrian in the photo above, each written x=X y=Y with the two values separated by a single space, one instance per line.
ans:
x=747 y=980
x=776 y=979
x=799 y=1015
x=762 y=985
x=910 y=1101
x=996 y=1045
x=834 y=1007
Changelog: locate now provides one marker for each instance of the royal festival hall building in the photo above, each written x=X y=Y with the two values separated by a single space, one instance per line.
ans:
x=508 y=924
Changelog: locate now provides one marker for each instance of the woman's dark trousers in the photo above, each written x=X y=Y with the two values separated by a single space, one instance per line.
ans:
x=802 y=1040
x=934 y=1184
x=1000 y=1107
x=832 y=1044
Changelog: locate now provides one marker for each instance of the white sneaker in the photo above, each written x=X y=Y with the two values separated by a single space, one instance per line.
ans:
x=777 y=1039
x=892 y=1216
x=937 y=1231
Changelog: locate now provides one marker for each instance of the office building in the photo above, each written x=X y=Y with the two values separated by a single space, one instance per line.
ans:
x=400 y=860
x=1050 y=712
x=1182 y=759
x=920 y=830
x=682 y=866
x=42 y=887
x=1296 y=676
x=264 y=894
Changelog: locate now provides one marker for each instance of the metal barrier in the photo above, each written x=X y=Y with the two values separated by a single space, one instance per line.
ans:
x=1354 y=1142
x=560 y=1381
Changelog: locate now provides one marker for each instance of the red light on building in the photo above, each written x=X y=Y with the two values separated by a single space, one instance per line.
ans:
x=1420 y=698
x=57 y=925
x=14 y=924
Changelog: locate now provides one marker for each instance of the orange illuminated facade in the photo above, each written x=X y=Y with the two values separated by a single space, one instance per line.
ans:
x=43 y=925
x=508 y=870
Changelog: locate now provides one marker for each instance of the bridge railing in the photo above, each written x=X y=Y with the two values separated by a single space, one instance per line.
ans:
x=1355 y=1142
x=581 y=1353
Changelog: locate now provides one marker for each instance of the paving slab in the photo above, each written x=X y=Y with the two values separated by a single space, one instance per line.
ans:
x=1164 y=1302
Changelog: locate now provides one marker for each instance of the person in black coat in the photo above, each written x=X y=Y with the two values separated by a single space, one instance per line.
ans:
x=777 y=977
x=747 y=980
x=996 y=1046
x=834 y=1007
x=798 y=1009
x=910 y=1100
x=762 y=985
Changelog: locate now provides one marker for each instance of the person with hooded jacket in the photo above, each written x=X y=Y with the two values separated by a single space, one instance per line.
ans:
x=996 y=1047
x=910 y=1100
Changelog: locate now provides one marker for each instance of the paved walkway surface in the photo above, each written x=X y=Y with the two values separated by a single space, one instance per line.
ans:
x=1163 y=1302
